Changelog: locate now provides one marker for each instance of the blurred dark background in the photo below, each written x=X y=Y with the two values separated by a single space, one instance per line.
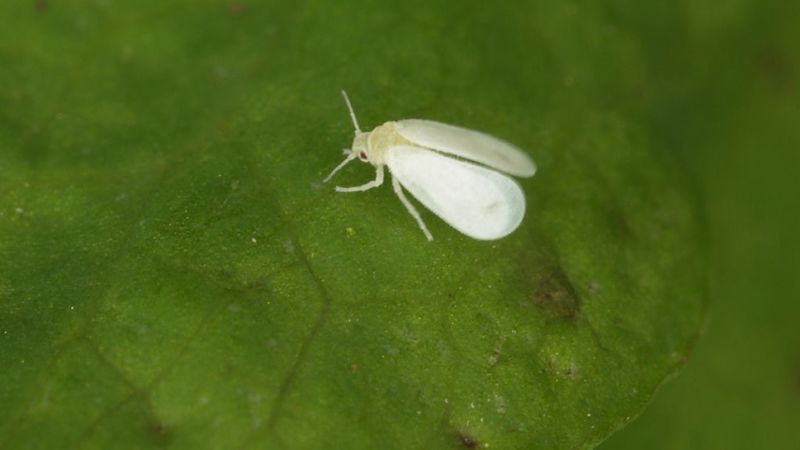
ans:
x=734 y=77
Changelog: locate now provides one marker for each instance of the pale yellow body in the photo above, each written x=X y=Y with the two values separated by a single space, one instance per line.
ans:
x=371 y=146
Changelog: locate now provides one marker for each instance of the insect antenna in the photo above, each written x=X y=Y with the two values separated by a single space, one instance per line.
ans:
x=352 y=113
x=350 y=156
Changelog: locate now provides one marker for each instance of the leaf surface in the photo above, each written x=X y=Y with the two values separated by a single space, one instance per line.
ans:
x=173 y=273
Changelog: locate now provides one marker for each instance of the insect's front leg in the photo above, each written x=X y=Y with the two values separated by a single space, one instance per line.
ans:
x=372 y=184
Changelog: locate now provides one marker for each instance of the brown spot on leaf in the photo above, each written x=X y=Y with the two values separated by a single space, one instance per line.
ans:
x=556 y=295
x=236 y=9
x=625 y=225
x=41 y=5
x=796 y=376
x=159 y=432
x=548 y=290
x=158 y=428
x=569 y=371
x=467 y=440
x=772 y=62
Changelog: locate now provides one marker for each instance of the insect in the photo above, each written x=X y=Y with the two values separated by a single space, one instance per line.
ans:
x=436 y=163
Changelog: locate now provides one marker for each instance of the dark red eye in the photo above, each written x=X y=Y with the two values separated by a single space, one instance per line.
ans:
x=363 y=156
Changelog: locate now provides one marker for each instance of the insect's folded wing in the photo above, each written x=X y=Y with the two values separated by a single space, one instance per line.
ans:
x=477 y=201
x=467 y=144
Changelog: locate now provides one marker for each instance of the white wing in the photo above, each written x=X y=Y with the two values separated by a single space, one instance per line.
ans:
x=479 y=202
x=467 y=144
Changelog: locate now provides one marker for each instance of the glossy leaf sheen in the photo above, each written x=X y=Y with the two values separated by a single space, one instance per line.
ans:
x=174 y=274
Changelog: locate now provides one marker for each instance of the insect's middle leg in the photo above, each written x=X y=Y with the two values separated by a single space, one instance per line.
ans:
x=372 y=184
x=398 y=189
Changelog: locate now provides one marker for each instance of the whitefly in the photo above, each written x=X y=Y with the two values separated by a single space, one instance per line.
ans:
x=461 y=175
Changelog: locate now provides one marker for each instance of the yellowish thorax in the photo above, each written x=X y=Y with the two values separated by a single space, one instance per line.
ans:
x=371 y=146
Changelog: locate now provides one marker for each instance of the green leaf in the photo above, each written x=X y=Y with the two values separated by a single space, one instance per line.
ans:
x=173 y=273
x=733 y=112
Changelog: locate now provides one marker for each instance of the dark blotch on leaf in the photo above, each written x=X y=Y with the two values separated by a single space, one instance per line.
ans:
x=796 y=375
x=556 y=295
x=625 y=225
x=775 y=67
x=159 y=432
x=467 y=441
x=236 y=9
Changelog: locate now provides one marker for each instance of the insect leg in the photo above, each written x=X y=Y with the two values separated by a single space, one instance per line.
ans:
x=374 y=183
x=411 y=210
